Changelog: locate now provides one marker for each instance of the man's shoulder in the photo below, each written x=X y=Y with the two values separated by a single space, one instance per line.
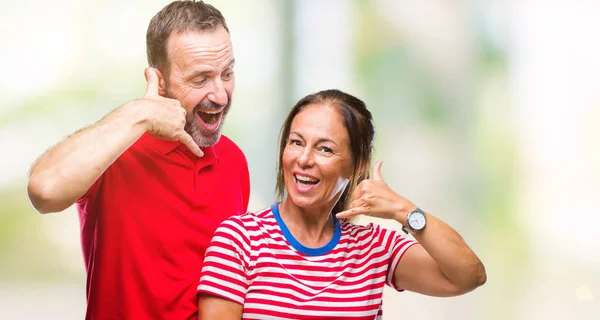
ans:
x=225 y=144
x=229 y=149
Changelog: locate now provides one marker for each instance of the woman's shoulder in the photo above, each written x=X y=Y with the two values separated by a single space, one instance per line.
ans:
x=254 y=226
x=265 y=213
x=252 y=218
x=355 y=229
x=370 y=232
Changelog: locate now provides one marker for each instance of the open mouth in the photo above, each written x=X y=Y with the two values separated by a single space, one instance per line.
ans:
x=210 y=118
x=305 y=182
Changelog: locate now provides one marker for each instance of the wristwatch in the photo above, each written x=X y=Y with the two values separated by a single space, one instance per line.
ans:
x=415 y=221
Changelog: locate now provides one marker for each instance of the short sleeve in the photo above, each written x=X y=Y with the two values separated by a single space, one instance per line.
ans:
x=93 y=190
x=224 y=272
x=87 y=204
x=245 y=183
x=396 y=244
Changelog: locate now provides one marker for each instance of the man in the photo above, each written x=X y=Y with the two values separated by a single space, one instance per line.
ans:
x=154 y=178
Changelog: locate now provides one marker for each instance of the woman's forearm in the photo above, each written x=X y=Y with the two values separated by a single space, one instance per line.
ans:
x=455 y=259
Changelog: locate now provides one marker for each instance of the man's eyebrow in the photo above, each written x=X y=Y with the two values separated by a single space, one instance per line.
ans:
x=199 y=73
x=205 y=73
x=230 y=64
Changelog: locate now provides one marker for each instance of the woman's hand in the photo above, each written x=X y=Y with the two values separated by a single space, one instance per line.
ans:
x=441 y=264
x=373 y=197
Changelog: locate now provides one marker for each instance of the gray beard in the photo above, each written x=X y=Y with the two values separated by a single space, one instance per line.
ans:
x=202 y=138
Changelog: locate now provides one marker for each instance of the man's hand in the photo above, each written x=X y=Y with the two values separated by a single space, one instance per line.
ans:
x=166 y=117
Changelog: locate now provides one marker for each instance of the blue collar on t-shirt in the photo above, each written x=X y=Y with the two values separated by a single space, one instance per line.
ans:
x=337 y=233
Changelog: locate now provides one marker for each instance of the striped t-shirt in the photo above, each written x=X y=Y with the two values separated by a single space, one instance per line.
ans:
x=255 y=261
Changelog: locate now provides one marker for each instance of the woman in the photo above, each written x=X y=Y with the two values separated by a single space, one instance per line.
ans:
x=302 y=258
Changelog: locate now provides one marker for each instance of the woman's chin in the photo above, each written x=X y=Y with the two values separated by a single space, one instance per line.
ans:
x=301 y=202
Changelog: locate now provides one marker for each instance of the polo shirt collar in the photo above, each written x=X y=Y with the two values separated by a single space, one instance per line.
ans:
x=166 y=146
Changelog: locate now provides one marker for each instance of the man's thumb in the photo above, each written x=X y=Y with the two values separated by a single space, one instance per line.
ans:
x=152 y=80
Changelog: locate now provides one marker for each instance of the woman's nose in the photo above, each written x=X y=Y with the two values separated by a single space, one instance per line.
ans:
x=306 y=158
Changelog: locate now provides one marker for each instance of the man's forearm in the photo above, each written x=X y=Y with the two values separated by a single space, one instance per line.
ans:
x=65 y=172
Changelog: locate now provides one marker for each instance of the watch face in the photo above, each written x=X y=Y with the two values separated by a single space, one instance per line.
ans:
x=416 y=220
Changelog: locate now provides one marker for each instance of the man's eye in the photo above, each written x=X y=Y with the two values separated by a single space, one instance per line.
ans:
x=228 y=75
x=200 y=82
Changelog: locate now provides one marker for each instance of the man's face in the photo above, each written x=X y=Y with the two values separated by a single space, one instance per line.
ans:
x=201 y=78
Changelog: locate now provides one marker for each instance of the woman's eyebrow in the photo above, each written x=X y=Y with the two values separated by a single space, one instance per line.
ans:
x=318 y=141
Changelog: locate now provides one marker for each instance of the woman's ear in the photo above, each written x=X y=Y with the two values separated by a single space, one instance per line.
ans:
x=361 y=172
x=363 y=169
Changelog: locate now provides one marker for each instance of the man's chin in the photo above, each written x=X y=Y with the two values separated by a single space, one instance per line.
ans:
x=207 y=139
x=202 y=137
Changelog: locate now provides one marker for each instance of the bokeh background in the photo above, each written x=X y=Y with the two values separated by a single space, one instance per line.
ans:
x=487 y=115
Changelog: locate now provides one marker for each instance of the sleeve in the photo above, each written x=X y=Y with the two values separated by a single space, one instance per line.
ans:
x=93 y=190
x=245 y=183
x=396 y=245
x=225 y=269
x=87 y=204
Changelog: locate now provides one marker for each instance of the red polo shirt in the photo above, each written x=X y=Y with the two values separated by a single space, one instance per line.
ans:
x=147 y=221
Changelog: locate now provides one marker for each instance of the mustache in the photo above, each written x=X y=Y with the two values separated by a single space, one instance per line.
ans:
x=203 y=105
x=208 y=106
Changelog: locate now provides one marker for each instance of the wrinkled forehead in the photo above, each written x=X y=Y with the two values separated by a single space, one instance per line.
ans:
x=189 y=48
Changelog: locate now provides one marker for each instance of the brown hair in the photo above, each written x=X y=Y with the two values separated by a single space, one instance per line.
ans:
x=359 y=124
x=178 y=16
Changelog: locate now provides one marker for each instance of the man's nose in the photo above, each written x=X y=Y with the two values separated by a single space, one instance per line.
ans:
x=218 y=93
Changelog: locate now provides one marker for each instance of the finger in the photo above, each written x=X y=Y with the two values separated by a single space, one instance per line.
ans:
x=345 y=214
x=186 y=139
x=356 y=193
x=355 y=204
x=152 y=80
x=377 y=171
x=349 y=213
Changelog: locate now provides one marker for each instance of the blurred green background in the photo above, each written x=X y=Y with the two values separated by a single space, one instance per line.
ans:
x=487 y=115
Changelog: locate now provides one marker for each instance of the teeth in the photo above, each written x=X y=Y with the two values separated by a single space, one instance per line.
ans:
x=305 y=179
x=208 y=118
x=211 y=111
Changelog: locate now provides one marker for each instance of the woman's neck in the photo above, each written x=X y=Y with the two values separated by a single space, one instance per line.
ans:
x=312 y=227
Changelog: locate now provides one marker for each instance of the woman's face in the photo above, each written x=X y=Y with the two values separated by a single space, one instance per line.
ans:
x=317 y=161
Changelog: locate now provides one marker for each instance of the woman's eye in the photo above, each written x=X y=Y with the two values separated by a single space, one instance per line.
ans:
x=295 y=142
x=326 y=150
